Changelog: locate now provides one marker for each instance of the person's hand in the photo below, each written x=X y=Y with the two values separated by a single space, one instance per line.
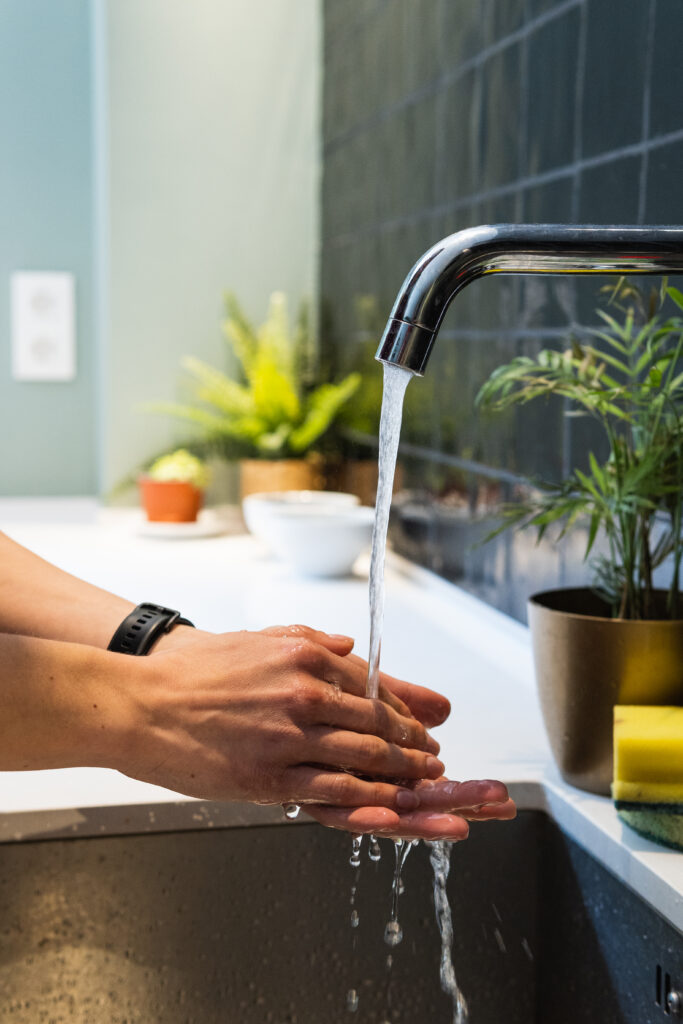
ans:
x=445 y=809
x=428 y=706
x=271 y=717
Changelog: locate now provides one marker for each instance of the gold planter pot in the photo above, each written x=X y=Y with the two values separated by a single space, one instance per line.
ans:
x=585 y=664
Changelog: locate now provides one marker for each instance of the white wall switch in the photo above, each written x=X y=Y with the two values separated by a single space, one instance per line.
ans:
x=43 y=326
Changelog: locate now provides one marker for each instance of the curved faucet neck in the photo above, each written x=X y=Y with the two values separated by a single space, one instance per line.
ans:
x=451 y=264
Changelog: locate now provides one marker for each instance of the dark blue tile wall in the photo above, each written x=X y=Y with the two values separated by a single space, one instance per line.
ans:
x=441 y=114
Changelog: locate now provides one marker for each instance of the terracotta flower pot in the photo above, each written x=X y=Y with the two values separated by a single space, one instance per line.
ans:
x=585 y=664
x=263 y=476
x=170 y=501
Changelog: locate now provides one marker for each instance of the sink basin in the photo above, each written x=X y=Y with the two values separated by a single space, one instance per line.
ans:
x=252 y=924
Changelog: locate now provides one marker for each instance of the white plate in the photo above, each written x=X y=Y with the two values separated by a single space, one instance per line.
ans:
x=209 y=524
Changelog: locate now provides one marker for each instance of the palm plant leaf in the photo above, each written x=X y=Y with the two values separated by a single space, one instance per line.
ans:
x=639 y=404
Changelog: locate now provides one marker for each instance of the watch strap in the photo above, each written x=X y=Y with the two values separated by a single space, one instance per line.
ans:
x=140 y=630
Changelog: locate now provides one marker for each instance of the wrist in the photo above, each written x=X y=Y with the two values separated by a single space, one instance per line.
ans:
x=179 y=636
x=116 y=717
x=106 y=707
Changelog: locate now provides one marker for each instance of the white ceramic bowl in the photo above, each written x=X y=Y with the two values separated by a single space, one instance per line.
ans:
x=321 y=540
x=258 y=509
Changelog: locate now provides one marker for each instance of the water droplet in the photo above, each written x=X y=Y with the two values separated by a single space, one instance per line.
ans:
x=393 y=933
x=355 y=919
x=355 y=851
x=374 y=853
x=352 y=1000
x=500 y=940
x=291 y=810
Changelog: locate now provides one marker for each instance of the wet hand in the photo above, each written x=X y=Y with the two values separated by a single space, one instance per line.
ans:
x=428 y=706
x=445 y=809
x=276 y=716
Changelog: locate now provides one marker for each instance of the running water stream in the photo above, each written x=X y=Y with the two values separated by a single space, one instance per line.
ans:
x=440 y=859
x=395 y=382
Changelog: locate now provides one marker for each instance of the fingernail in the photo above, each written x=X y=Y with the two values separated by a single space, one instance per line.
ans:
x=407 y=800
x=434 y=766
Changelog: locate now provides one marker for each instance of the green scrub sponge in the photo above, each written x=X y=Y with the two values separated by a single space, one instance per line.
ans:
x=648 y=771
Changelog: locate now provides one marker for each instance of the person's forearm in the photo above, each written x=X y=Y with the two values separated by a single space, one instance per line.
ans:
x=61 y=705
x=37 y=599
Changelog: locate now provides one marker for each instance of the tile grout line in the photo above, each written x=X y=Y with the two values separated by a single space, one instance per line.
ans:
x=500 y=191
x=645 y=158
x=575 y=209
x=415 y=451
x=446 y=79
x=578 y=111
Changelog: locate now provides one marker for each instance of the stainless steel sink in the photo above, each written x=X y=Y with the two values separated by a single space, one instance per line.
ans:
x=252 y=924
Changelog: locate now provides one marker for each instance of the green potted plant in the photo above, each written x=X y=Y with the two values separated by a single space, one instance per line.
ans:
x=172 y=490
x=269 y=414
x=621 y=640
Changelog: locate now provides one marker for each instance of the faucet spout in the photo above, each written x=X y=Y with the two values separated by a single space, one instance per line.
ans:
x=451 y=264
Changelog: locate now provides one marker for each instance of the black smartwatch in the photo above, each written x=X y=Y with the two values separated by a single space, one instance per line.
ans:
x=140 y=630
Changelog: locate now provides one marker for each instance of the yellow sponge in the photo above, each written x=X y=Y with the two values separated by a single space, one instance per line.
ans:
x=648 y=771
x=648 y=754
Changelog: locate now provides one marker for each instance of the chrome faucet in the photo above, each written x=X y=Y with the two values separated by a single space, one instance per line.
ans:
x=453 y=263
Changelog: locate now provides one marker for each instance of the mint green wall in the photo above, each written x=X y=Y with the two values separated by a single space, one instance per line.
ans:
x=210 y=180
x=161 y=150
x=47 y=442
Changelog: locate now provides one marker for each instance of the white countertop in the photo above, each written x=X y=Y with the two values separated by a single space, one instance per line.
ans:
x=435 y=634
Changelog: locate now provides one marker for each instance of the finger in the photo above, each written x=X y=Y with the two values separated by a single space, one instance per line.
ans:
x=363 y=820
x=429 y=825
x=381 y=822
x=492 y=812
x=369 y=754
x=348 y=674
x=428 y=706
x=358 y=714
x=335 y=642
x=446 y=795
x=306 y=784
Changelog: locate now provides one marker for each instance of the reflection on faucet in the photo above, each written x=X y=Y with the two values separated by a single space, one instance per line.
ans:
x=450 y=265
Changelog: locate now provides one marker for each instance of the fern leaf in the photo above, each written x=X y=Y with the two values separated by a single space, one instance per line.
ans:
x=323 y=405
x=219 y=390
x=240 y=333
